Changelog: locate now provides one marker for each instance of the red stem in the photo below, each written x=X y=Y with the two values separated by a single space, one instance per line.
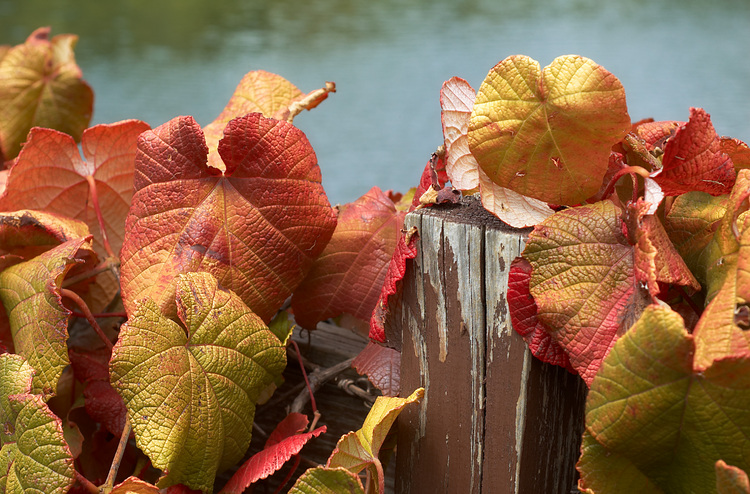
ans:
x=288 y=475
x=102 y=314
x=86 y=483
x=304 y=374
x=70 y=294
x=98 y=210
x=624 y=171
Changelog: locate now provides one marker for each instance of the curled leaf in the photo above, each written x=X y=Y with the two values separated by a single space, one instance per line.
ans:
x=456 y=101
x=323 y=480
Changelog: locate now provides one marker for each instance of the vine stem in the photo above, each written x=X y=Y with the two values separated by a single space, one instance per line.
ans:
x=95 y=202
x=106 y=265
x=86 y=483
x=304 y=374
x=624 y=171
x=70 y=294
x=110 y=482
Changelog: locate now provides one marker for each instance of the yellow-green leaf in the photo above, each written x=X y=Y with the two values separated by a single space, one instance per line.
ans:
x=323 y=480
x=191 y=387
x=547 y=134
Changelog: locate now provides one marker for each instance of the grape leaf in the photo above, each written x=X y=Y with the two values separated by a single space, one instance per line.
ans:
x=322 y=480
x=730 y=479
x=191 y=388
x=34 y=456
x=382 y=366
x=694 y=161
x=360 y=449
x=30 y=292
x=547 y=133
x=284 y=442
x=348 y=275
x=406 y=249
x=515 y=209
x=257 y=227
x=656 y=134
x=523 y=317
x=41 y=86
x=134 y=485
x=652 y=408
x=738 y=152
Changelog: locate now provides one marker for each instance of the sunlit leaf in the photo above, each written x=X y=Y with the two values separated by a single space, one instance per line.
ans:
x=382 y=366
x=523 y=315
x=30 y=292
x=671 y=421
x=322 y=480
x=547 y=133
x=359 y=450
x=655 y=134
x=406 y=249
x=284 y=442
x=41 y=86
x=738 y=151
x=134 y=485
x=513 y=208
x=694 y=161
x=348 y=275
x=191 y=388
x=731 y=480
x=456 y=101
x=257 y=227
x=33 y=455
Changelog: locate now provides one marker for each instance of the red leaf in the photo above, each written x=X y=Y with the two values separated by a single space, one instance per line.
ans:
x=655 y=134
x=348 y=275
x=257 y=227
x=694 y=161
x=405 y=249
x=382 y=366
x=523 y=317
x=433 y=179
x=283 y=443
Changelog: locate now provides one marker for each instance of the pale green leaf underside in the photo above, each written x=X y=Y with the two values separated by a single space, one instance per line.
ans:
x=191 y=393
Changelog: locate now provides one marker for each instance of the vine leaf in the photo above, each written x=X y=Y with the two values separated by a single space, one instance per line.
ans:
x=257 y=227
x=191 y=388
x=390 y=295
x=649 y=405
x=258 y=92
x=456 y=102
x=382 y=366
x=348 y=275
x=284 y=442
x=134 y=485
x=34 y=456
x=730 y=479
x=322 y=480
x=30 y=292
x=360 y=449
x=41 y=86
x=523 y=316
x=547 y=134
x=694 y=160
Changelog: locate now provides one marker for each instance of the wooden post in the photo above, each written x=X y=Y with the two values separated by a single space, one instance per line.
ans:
x=494 y=419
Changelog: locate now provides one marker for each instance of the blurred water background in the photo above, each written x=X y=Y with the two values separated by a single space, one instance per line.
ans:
x=157 y=59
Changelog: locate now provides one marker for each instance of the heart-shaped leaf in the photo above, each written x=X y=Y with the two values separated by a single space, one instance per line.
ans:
x=30 y=292
x=34 y=456
x=547 y=133
x=348 y=275
x=694 y=160
x=284 y=442
x=191 y=388
x=257 y=227
x=650 y=408
x=41 y=86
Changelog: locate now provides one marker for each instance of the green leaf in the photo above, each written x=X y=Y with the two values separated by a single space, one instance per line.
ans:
x=547 y=133
x=359 y=450
x=649 y=405
x=30 y=292
x=34 y=456
x=41 y=86
x=322 y=480
x=191 y=388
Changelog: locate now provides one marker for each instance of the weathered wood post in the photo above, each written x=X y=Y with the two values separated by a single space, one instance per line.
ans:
x=494 y=419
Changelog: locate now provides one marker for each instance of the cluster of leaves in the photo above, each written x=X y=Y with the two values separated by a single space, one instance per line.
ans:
x=195 y=238
x=634 y=275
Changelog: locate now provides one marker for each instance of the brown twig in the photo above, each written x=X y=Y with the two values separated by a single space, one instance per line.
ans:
x=109 y=484
x=70 y=294
x=86 y=483
x=317 y=379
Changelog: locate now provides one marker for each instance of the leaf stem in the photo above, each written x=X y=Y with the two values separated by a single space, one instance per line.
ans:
x=381 y=475
x=70 y=294
x=289 y=475
x=95 y=202
x=86 y=483
x=106 y=265
x=109 y=484
x=304 y=374
x=638 y=170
